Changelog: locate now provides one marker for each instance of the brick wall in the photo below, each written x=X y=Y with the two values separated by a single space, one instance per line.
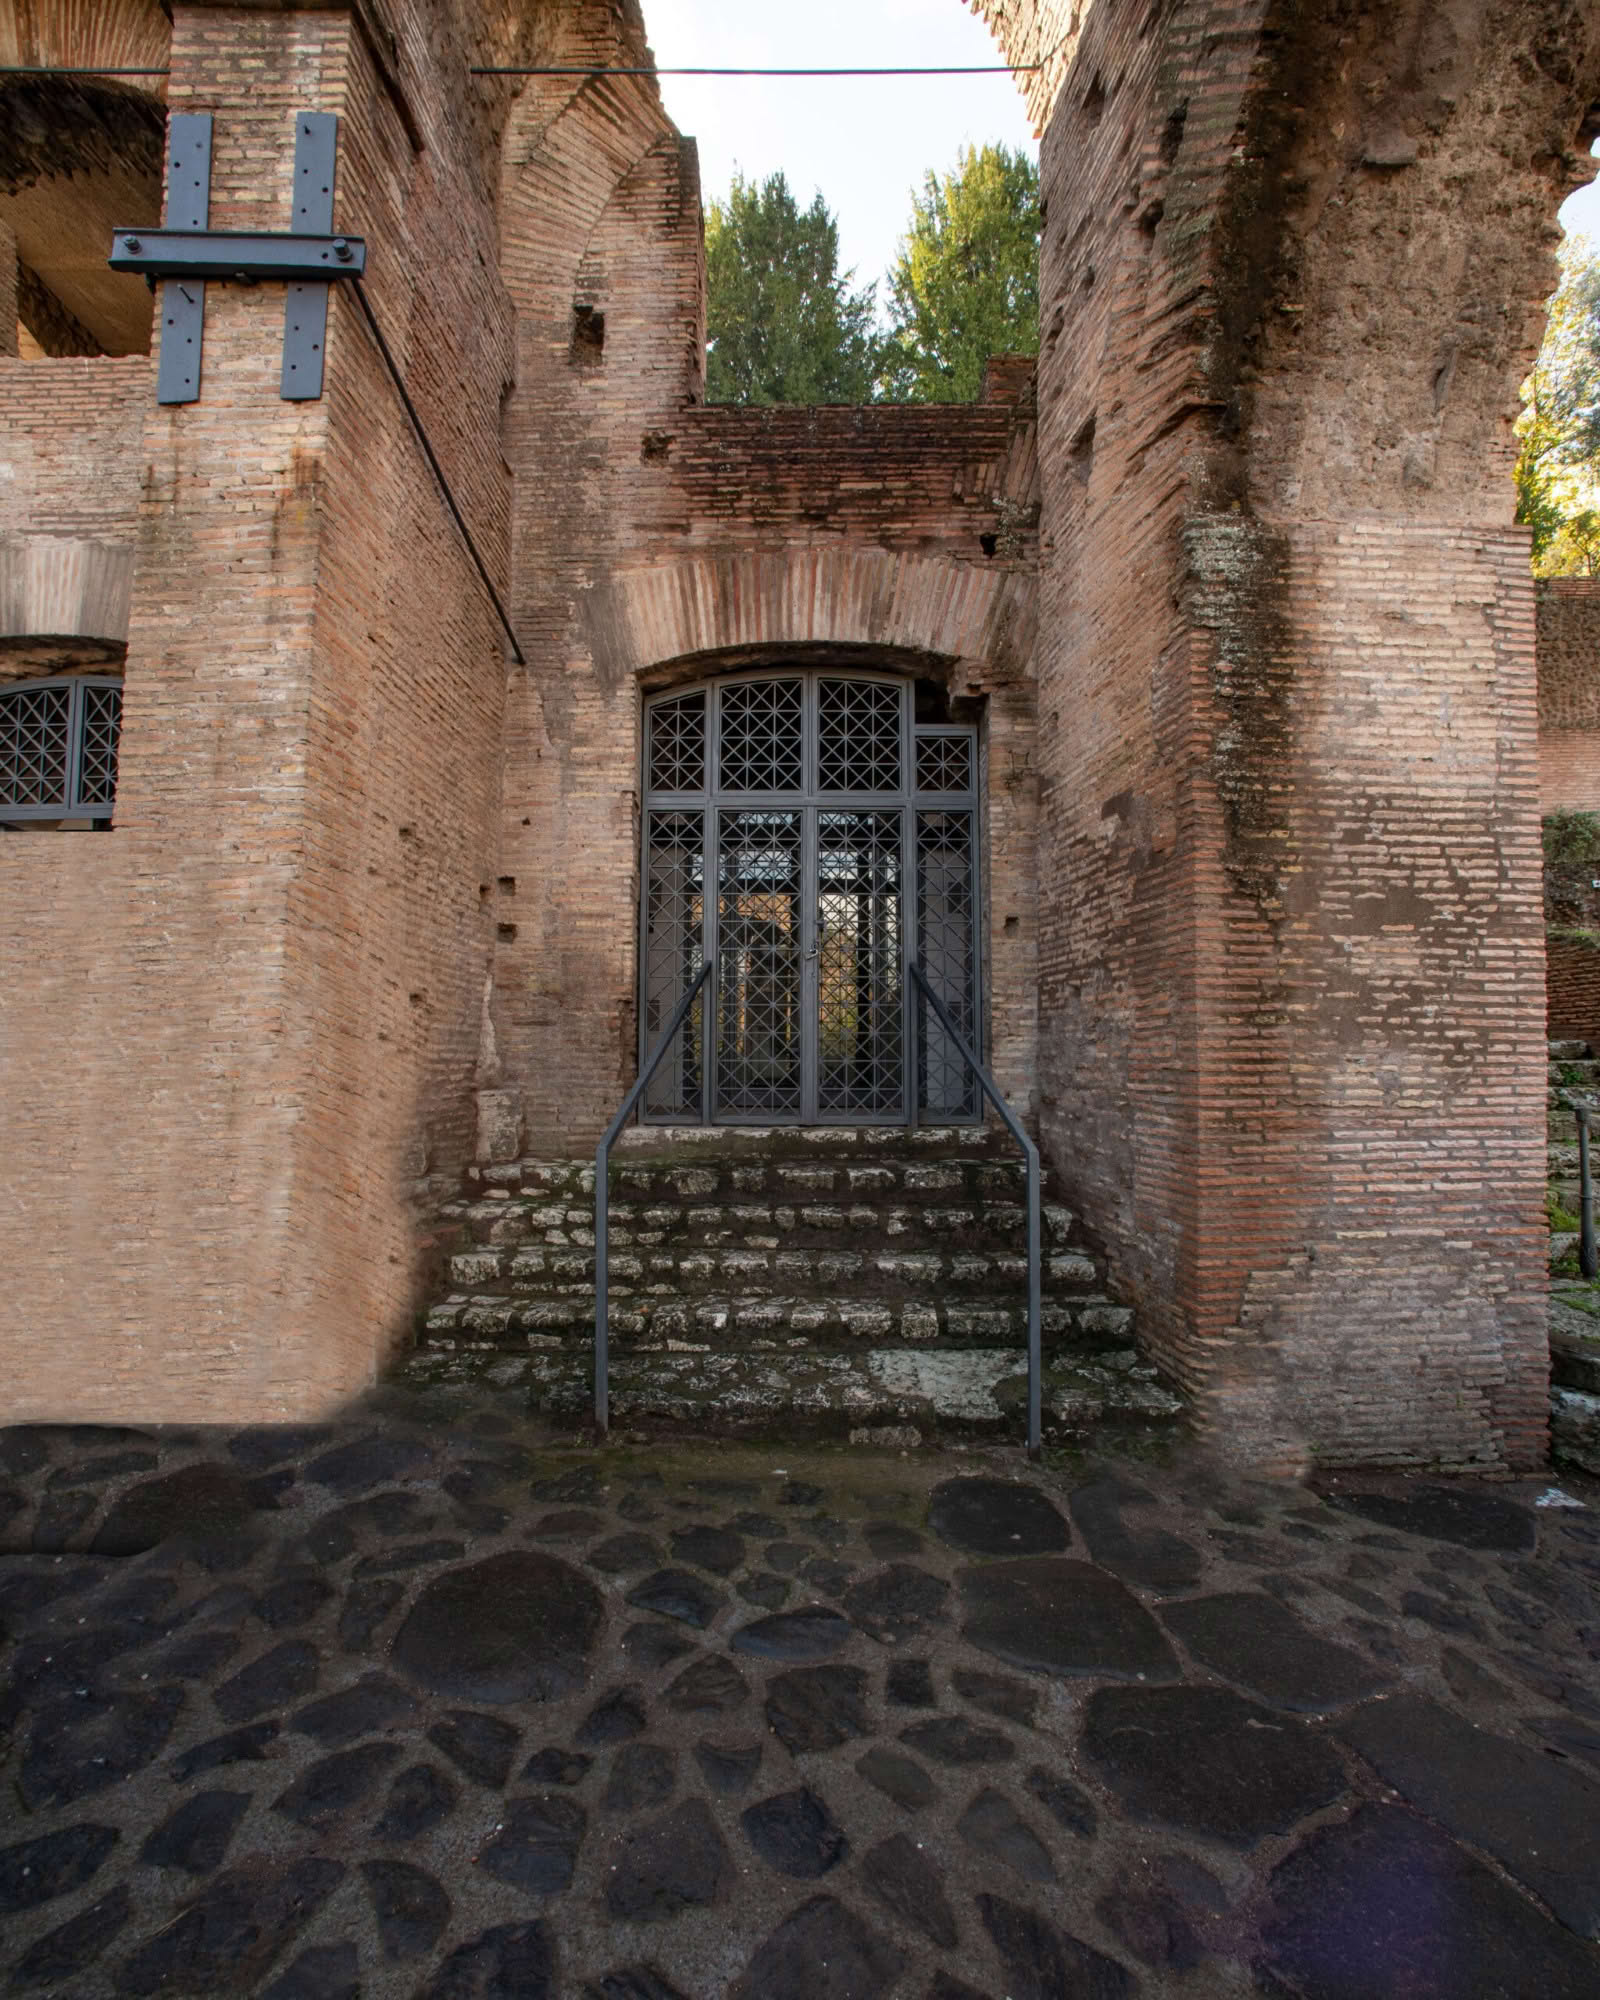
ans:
x=1569 y=694
x=1572 y=989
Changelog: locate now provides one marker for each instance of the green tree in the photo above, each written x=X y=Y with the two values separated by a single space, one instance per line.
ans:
x=966 y=283
x=782 y=324
x=1558 y=466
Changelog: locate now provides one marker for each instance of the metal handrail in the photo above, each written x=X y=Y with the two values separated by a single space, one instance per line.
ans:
x=602 y=1201
x=1030 y=1154
x=1588 y=1260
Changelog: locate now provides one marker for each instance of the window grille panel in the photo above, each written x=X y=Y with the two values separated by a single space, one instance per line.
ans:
x=678 y=744
x=36 y=745
x=944 y=763
x=758 y=1031
x=945 y=932
x=859 y=1026
x=858 y=736
x=97 y=758
x=674 y=931
x=761 y=731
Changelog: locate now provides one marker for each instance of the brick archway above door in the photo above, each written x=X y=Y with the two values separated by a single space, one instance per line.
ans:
x=916 y=605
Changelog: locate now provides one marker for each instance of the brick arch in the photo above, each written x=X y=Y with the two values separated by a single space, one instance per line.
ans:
x=120 y=34
x=918 y=605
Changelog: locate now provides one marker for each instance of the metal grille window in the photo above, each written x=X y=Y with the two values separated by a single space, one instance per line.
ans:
x=804 y=833
x=58 y=749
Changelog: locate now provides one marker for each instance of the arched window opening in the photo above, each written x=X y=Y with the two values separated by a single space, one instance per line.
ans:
x=58 y=752
x=808 y=833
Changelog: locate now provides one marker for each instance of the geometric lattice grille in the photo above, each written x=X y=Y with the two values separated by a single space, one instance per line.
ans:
x=859 y=1068
x=36 y=745
x=674 y=923
x=858 y=736
x=761 y=735
x=678 y=744
x=944 y=763
x=947 y=1087
x=758 y=1031
x=97 y=755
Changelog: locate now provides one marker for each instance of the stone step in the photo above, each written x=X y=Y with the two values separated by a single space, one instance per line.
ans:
x=907 y=1393
x=1574 y=1338
x=781 y=1320
x=537 y=1271
x=1570 y=1051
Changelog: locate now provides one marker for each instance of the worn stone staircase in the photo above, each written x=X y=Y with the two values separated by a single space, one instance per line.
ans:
x=1574 y=1302
x=870 y=1282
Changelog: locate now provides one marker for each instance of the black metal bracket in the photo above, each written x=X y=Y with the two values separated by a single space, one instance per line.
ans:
x=184 y=253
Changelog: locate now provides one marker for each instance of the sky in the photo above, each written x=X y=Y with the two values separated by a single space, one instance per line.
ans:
x=865 y=142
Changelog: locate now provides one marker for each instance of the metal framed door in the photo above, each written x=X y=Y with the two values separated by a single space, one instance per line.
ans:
x=785 y=813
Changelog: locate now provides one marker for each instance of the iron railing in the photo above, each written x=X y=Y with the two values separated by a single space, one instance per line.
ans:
x=1588 y=1261
x=602 y=1200
x=1030 y=1155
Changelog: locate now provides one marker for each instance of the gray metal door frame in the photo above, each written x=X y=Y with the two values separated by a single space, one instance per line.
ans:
x=684 y=766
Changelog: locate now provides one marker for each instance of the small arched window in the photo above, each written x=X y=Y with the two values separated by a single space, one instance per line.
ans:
x=58 y=750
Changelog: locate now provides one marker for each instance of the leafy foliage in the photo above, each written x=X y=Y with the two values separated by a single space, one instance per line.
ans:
x=1558 y=467
x=782 y=323
x=966 y=284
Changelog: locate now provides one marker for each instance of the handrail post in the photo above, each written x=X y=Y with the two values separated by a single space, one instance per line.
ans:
x=602 y=1203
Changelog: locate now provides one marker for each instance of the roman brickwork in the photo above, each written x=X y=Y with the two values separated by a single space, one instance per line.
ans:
x=1229 y=584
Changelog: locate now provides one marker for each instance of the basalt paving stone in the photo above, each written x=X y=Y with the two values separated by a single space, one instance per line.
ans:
x=227 y=1937
x=379 y=1518
x=1208 y=1761
x=1043 y=1962
x=899 y=1778
x=996 y=1517
x=1537 y=1816
x=830 y=1577
x=74 y=1946
x=580 y=1486
x=482 y=1746
x=817 y=1708
x=1068 y=1806
x=199 y=1503
x=37 y=1582
x=888 y=1539
x=479 y=1479
x=365 y=1609
x=1152 y=1557
x=36 y=1871
x=366 y=1462
x=821 y=1951
x=651 y=1646
x=195 y=1837
x=992 y=1825
x=716 y=1549
x=1385 y=1904
x=1568 y=1737
x=278 y=1677
x=760 y=1527
x=410 y=1906
x=375 y=1702
x=327 y=1789
x=618 y=1715
x=668 y=1865
x=1148 y=1923
x=1465 y=1515
x=680 y=1594
x=621 y=1553
x=764 y=1590
x=1056 y=1616
x=513 y=1627
x=711 y=1686
x=795 y=1833
x=321 y=1972
x=235 y=1746
x=946 y=1988
x=419 y=1799
x=908 y=1884
x=787 y=1557
x=114 y=1465
x=997 y=1694
x=79 y=1747
x=632 y=1982
x=1252 y=1639
x=898 y=1603
x=567 y=1524
x=809 y=1634
x=260 y=1448
x=1467 y=1681
x=506 y=1962
x=728 y=1768
x=800 y=1493
x=410 y=1555
x=555 y=1766
x=909 y=1684
x=22 y=1450
x=642 y=1776
x=60 y=1519
x=292 y=1600
x=535 y=1846
x=953 y=1740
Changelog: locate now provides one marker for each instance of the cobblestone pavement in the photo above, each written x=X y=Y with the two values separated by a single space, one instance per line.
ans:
x=432 y=1703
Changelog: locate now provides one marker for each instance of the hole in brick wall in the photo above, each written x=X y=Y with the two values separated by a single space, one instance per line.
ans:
x=408 y=833
x=656 y=444
x=1094 y=103
x=417 y=999
x=1011 y=923
x=483 y=892
x=507 y=885
x=1152 y=216
x=588 y=336
x=988 y=543
x=505 y=932
x=1081 y=454
x=1172 y=132
x=1088 y=278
